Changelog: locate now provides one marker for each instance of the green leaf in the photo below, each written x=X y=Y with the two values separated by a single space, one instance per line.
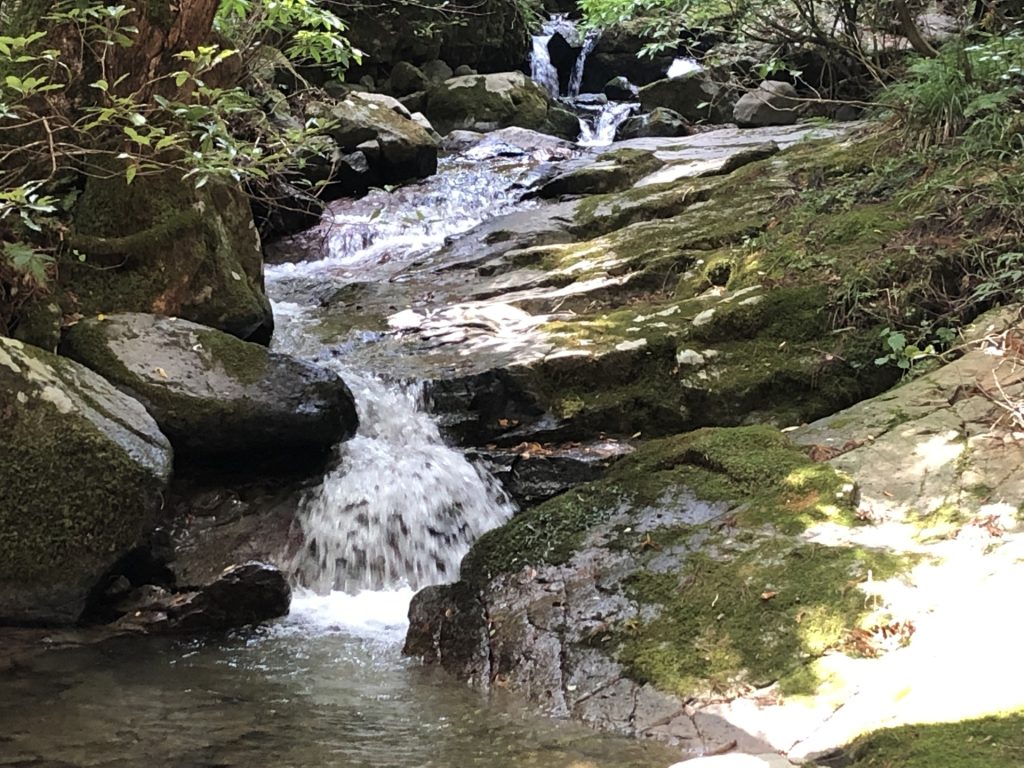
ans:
x=129 y=173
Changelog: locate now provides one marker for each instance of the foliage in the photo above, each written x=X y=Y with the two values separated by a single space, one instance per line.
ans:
x=971 y=89
x=69 y=109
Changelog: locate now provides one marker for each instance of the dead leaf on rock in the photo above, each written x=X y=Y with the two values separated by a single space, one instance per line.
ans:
x=768 y=595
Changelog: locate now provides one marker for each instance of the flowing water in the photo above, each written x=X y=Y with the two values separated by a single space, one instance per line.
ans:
x=601 y=130
x=326 y=686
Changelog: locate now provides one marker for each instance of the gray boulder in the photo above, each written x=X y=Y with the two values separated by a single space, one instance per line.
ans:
x=403 y=149
x=771 y=103
x=406 y=79
x=620 y=89
x=213 y=395
x=661 y=122
x=436 y=71
x=693 y=95
x=83 y=469
x=488 y=102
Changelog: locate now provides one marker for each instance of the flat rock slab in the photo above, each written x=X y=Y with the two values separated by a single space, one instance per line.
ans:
x=214 y=395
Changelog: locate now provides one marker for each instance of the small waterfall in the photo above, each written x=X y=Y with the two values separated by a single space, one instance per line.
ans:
x=576 y=81
x=602 y=130
x=542 y=71
x=401 y=508
x=682 y=66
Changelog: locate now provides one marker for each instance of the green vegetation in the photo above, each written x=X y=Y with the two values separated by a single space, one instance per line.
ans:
x=989 y=742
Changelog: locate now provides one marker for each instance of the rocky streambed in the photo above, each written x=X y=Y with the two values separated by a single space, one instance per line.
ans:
x=715 y=529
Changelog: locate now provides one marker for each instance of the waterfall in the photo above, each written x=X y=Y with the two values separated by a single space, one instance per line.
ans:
x=576 y=81
x=602 y=130
x=542 y=71
x=401 y=507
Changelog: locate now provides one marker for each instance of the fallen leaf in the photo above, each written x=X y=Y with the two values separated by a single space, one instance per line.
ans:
x=161 y=372
x=768 y=595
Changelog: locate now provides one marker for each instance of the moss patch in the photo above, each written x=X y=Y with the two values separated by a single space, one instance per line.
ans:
x=989 y=742
x=752 y=612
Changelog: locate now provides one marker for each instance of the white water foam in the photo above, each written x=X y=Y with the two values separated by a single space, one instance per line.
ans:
x=401 y=507
x=380 y=616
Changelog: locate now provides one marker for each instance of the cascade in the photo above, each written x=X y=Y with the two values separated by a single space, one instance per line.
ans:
x=401 y=507
x=576 y=81
x=602 y=129
x=542 y=69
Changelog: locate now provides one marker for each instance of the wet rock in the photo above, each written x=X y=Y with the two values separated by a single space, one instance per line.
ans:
x=693 y=95
x=659 y=122
x=751 y=155
x=532 y=472
x=83 y=469
x=620 y=89
x=406 y=78
x=241 y=595
x=601 y=604
x=464 y=69
x=772 y=103
x=615 y=55
x=489 y=102
x=216 y=396
x=610 y=172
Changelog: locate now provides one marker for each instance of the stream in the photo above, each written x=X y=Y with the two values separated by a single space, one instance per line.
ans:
x=327 y=685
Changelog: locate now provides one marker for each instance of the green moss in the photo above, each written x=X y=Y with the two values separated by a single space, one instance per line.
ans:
x=241 y=360
x=548 y=533
x=752 y=611
x=163 y=247
x=989 y=742
x=71 y=499
x=779 y=484
x=789 y=314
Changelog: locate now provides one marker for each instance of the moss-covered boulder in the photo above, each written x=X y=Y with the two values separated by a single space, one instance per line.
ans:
x=489 y=102
x=161 y=245
x=684 y=576
x=612 y=171
x=83 y=469
x=214 y=395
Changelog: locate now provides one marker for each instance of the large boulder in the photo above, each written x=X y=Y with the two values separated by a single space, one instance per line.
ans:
x=216 y=396
x=83 y=468
x=771 y=103
x=639 y=602
x=489 y=102
x=396 y=146
x=162 y=245
x=661 y=122
x=615 y=54
x=406 y=79
x=693 y=95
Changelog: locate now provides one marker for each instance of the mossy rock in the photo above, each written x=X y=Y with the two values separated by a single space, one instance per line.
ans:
x=611 y=171
x=215 y=395
x=987 y=742
x=162 y=246
x=707 y=583
x=83 y=469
